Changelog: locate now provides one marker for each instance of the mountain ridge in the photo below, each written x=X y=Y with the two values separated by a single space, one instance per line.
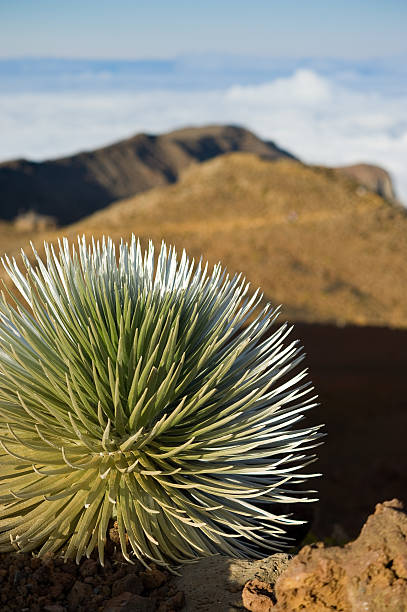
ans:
x=73 y=187
x=70 y=188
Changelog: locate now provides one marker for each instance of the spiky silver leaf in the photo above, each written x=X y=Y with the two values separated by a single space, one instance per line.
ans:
x=149 y=393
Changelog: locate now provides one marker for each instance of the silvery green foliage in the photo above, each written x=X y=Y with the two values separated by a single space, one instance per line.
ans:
x=152 y=394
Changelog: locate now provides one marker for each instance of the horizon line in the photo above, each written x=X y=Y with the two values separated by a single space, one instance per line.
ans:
x=204 y=55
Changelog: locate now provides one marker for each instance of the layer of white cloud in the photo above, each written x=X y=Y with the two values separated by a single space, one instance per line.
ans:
x=319 y=119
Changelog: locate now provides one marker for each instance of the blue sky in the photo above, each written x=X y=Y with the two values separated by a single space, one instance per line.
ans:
x=136 y=29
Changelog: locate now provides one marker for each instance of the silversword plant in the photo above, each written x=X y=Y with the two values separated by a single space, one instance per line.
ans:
x=155 y=394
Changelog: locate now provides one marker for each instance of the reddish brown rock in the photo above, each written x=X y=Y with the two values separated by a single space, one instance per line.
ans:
x=215 y=583
x=129 y=602
x=79 y=594
x=88 y=568
x=367 y=574
x=176 y=602
x=130 y=584
x=56 y=590
x=63 y=579
x=50 y=583
x=153 y=578
x=258 y=596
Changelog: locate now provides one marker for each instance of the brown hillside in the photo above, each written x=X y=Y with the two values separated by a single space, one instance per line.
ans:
x=308 y=237
x=73 y=187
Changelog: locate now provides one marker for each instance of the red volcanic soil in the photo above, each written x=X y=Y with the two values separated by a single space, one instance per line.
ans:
x=360 y=375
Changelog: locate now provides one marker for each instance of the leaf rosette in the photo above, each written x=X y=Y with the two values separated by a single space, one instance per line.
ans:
x=154 y=393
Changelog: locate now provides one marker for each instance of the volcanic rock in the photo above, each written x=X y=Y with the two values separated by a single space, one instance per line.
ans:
x=153 y=578
x=216 y=583
x=258 y=596
x=130 y=583
x=367 y=574
x=129 y=602
x=79 y=593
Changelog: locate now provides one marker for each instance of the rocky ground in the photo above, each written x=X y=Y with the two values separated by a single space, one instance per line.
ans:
x=369 y=573
x=31 y=584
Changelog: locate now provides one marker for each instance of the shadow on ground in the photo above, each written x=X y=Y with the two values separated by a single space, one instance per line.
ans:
x=360 y=375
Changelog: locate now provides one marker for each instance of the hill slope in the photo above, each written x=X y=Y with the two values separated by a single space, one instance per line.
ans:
x=70 y=188
x=73 y=187
x=309 y=237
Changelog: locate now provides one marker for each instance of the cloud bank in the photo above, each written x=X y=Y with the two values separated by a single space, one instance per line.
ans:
x=321 y=119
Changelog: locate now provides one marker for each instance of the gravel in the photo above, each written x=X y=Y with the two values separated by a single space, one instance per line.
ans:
x=32 y=584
